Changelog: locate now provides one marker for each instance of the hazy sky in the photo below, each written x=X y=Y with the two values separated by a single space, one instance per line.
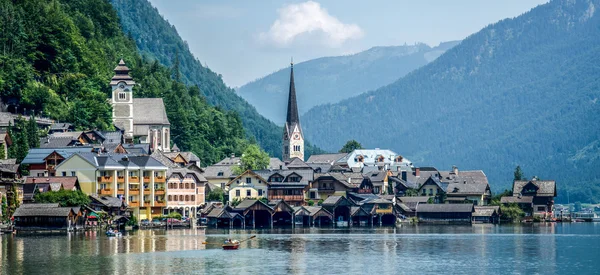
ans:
x=244 y=40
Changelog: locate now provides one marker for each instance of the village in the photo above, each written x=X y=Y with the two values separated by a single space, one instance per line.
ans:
x=136 y=176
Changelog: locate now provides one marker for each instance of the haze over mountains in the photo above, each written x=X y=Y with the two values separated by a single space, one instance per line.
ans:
x=331 y=79
x=523 y=91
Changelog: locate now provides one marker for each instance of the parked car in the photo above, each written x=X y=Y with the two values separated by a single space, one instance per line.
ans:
x=145 y=222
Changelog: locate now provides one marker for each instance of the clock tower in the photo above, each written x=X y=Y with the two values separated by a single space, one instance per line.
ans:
x=293 y=139
x=122 y=100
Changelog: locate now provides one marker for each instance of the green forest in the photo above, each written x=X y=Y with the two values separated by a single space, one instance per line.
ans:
x=57 y=58
x=157 y=39
x=523 y=91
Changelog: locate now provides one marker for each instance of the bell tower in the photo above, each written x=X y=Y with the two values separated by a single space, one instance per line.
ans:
x=293 y=139
x=122 y=100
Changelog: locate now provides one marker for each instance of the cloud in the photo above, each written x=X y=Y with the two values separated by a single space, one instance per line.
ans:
x=309 y=19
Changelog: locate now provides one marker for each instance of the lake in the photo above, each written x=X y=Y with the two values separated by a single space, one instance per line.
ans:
x=478 y=249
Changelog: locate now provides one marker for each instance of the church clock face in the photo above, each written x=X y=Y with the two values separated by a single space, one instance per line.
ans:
x=296 y=136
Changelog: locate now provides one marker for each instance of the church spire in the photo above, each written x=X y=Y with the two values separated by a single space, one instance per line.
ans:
x=292 y=109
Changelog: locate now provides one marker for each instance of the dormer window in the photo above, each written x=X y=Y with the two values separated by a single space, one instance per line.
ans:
x=380 y=159
x=360 y=159
x=220 y=174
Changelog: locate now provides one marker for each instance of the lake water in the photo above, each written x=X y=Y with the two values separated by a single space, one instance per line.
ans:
x=478 y=249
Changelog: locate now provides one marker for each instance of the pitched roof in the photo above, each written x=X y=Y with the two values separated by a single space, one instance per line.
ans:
x=546 y=188
x=112 y=136
x=110 y=202
x=275 y=163
x=219 y=212
x=297 y=163
x=122 y=74
x=68 y=183
x=248 y=172
x=8 y=161
x=486 y=211
x=516 y=199
x=175 y=148
x=326 y=158
x=306 y=176
x=465 y=182
x=37 y=155
x=185 y=171
x=336 y=200
x=219 y=172
x=148 y=111
x=245 y=204
x=445 y=208
x=33 y=210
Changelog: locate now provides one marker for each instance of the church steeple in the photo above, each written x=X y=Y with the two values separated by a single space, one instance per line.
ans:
x=293 y=139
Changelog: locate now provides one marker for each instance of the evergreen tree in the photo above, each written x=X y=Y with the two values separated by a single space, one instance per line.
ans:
x=33 y=134
x=2 y=152
x=518 y=175
x=350 y=146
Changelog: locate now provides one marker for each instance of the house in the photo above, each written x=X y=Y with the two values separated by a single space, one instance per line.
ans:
x=401 y=187
x=221 y=217
x=466 y=186
x=58 y=127
x=185 y=189
x=221 y=172
x=47 y=184
x=11 y=183
x=43 y=161
x=247 y=185
x=288 y=185
x=324 y=162
x=380 y=209
x=283 y=213
x=46 y=216
x=380 y=180
x=384 y=159
x=433 y=188
x=111 y=205
x=486 y=214
x=333 y=184
x=137 y=179
x=445 y=213
x=541 y=192
x=65 y=139
x=144 y=119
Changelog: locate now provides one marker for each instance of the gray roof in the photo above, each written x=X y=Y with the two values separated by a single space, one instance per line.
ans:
x=516 y=199
x=37 y=155
x=445 y=208
x=149 y=111
x=112 y=136
x=137 y=149
x=33 y=210
x=297 y=163
x=57 y=142
x=185 y=171
x=486 y=211
x=323 y=167
x=546 y=188
x=61 y=126
x=212 y=172
x=326 y=158
x=110 y=202
x=306 y=176
x=8 y=161
x=376 y=176
x=218 y=213
x=165 y=160
x=127 y=161
x=395 y=181
x=233 y=160
x=247 y=203
x=465 y=182
x=275 y=163
x=40 y=205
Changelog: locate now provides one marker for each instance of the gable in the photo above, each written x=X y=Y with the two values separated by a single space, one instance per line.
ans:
x=77 y=162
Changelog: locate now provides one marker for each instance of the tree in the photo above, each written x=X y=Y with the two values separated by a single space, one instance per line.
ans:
x=518 y=173
x=2 y=152
x=350 y=146
x=33 y=134
x=512 y=212
x=311 y=202
x=63 y=197
x=215 y=195
x=253 y=158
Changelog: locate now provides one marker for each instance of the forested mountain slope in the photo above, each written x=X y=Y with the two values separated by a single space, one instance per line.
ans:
x=523 y=91
x=57 y=57
x=158 y=39
x=331 y=79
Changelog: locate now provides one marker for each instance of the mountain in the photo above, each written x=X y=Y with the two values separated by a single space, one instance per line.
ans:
x=58 y=58
x=158 y=39
x=331 y=79
x=523 y=91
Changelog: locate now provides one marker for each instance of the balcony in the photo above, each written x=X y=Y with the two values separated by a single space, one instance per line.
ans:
x=134 y=179
x=105 y=179
x=134 y=204
x=146 y=191
x=326 y=189
x=120 y=191
x=159 y=179
x=147 y=203
x=146 y=179
x=105 y=191
x=160 y=203
x=120 y=179
x=160 y=191
x=134 y=191
x=287 y=198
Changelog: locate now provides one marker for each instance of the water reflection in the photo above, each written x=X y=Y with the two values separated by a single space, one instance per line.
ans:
x=477 y=249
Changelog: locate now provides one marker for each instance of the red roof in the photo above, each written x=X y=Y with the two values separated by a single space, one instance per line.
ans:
x=68 y=183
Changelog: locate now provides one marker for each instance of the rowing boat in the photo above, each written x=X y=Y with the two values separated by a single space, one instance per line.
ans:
x=231 y=246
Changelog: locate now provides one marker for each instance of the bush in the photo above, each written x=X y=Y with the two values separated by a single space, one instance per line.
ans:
x=320 y=202
x=132 y=221
x=311 y=202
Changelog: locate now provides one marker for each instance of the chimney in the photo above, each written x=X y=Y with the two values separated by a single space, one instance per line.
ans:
x=417 y=172
x=404 y=175
x=455 y=169
x=33 y=180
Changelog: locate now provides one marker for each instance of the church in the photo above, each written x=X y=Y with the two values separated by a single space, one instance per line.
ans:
x=142 y=120
x=293 y=139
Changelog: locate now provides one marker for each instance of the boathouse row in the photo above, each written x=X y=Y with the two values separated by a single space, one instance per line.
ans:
x=337 y=211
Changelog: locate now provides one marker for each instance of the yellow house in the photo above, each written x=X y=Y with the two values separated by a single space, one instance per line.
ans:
x=247 y=185
x=82 y=168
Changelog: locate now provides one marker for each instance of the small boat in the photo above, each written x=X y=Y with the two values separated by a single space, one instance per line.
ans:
x=113 y=234
x=233 y=245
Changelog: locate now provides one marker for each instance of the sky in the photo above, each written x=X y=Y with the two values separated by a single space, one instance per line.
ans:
x=245 y=40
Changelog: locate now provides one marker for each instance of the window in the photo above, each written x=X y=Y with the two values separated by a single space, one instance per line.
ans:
x=430 y=192
x=187 y=185
x=541 y=208
x=73 y=174
x=181 y=185
x=248 y=180
x=294 y=179
x=220 y=174
x=181 y=197
x=187 y=197
x=64 y=174
x=222 y=185
x=122 y=96
x=130 y=198
x=193 y=198
x=170 y=197
x=175 y=198
x=237 y=193
x=376 y=189
x=260 y=192
x=313 y=195
x=286 y=149
x=40 y=174
x=248 y=193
